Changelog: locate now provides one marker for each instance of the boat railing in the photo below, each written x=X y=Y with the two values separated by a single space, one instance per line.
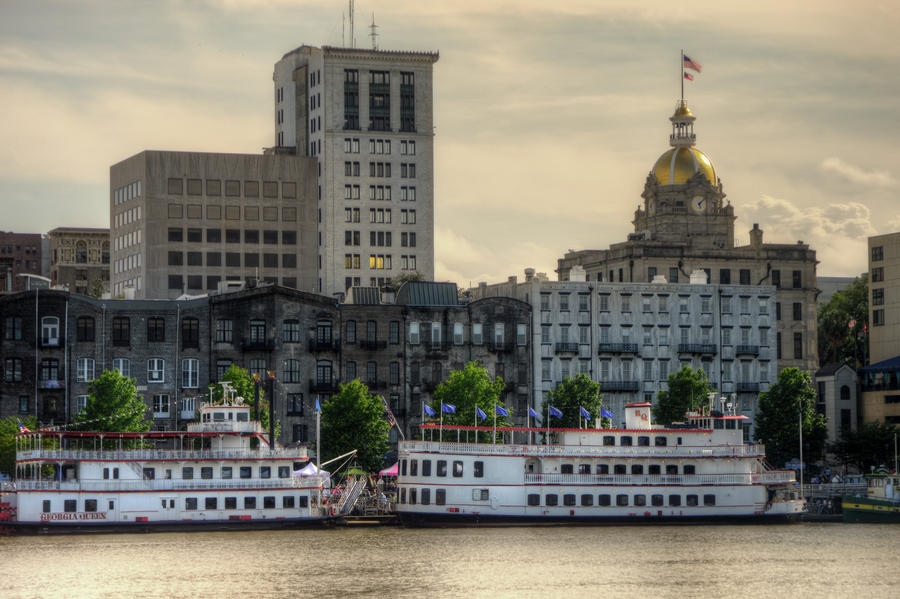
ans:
x=677 y=451
x=159 y=454
x=166 y=484
x=832 y=489
x=776 y=477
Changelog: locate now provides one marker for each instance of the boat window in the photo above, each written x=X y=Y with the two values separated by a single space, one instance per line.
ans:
x=671 y=468
x=246 y=471
x=656 y=500
x=211 y=503
x=479 y=469
x=149 y=473
x=584 y=468
x=457 y=468
x=534 y=499
x=206 y=472
x=46 y=505
x=226 y=472
x=569 y=499
x=440 y=496
x=414 y=467
x=479 y=494
x=190 y=503
x=70 y=505
x=287 y=501
x=602 y=468
x=426 y=467
x=90 y=505
x=249 y=503
x=426 y=497
x=690 y=469
x=402 y=467
x=284 y=472
x=112 y=504
x=625 y=441
x=603 y=500
x=269 y=502
x=637 y=469
x=187 y=473
x=609 y=440
x=303 y=501
x=566 y=469
x=168 y=474
x=243 y=417
x=412 y=497
x=622 y=499
x=218 y=415
x=643 y=441
x=105 y=473
x=640 y=500
x=115 y=473
x=691 y=500
x=679 y=440
x=551 y=500
x=587 y=499
x=403 y=495
x=442 y=467
x=660 y=441
x=265 y=472
x=619 y=469
x=719 y=423
x=653 y=469
x=709 y=499
x=674 y=500
x=231 y=503
x=730 y=424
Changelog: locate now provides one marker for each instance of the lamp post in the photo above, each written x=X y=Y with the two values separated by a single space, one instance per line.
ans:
x=800 y=423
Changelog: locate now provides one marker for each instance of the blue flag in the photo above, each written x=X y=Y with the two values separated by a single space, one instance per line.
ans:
x=604 y=413
x=318 y=407
x=585 y=413
x=501 y=411
x=480 y=413
x=449 y=408
x=533 y=414
x=429 y=410
x=555 y=412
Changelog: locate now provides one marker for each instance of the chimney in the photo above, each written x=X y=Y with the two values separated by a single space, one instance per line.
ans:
x=756 y=237
x=529 y=274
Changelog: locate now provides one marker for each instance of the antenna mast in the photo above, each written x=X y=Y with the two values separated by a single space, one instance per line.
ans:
x=374 y=33
x=352 y=33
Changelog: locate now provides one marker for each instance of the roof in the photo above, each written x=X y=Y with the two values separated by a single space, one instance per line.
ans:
x=831 y=368
x=370 y=296
x=889 y=365
x=427 y=293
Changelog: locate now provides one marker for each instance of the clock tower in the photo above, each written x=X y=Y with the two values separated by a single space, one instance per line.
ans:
x=683 y=198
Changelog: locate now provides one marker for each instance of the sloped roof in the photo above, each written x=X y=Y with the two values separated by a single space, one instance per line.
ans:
x=369 y=296
x=831 y=368
x=889 y=365
x=427 y=293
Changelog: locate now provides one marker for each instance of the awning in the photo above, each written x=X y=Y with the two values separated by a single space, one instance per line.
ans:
x=889 y=365
x=392 y=471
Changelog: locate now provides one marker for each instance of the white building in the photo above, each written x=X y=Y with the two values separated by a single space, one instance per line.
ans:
x=367 y=118
x=631 y=336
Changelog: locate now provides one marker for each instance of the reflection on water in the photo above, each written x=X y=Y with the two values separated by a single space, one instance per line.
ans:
x=804 y=560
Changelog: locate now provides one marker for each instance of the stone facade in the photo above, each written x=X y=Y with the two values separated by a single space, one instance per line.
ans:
x=837 y=399
x=20 y=253
x=78 y=258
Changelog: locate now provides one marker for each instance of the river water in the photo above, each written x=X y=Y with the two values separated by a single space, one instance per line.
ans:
x=801 y=560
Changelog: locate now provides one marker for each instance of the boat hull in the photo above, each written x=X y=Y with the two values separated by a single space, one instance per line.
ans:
x=440 y=520
x=866 y=509
x=45 y=528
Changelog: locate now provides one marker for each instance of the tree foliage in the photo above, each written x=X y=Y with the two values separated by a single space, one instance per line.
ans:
x=571 y=394
x=97 y=289
x=244 y=386
x=467 y=388
x=843 y=325
x=688 y=389
x=397 y=281
x=778 y=419
x=872 y=444
x=354 y=419
x=113 y=405
x=9 y=427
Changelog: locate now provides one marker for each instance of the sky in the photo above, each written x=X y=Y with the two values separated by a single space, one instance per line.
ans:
x=548 y=116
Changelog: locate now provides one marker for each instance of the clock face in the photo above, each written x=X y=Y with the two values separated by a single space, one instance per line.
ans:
x=698 y=203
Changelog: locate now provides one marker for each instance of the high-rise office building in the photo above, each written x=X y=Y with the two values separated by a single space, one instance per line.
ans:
x=366 y=116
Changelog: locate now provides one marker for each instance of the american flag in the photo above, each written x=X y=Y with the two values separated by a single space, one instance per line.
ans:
x=688 y=76
x=690 y=64
x=22 y=427
x=388 y=412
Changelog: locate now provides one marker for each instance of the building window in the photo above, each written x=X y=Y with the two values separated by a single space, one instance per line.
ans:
x=291 y=371
x=161 y=406
x=257 y=331
x=190 y=373
x=156 y=370
x=13 y=370
x=295 y=404
x=84 y=330
x=291 y=331
x=84 y=369
x=121 y=331
x=878 y=317
x=350 y=333
x=190 y=332
x=156 y=329
x=414 y=333
x=49 y=331
x=798 y=346
x=223 y=331
x=878 y=297
x=744 y=276
x=798 y=311
x=797 y=279
x=877 y=253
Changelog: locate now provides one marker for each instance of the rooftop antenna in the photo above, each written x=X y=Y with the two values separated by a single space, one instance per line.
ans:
x=374 y=33
x=352 y=35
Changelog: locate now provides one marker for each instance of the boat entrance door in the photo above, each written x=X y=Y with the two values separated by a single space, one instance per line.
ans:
x=167 y=508
x=112 y=513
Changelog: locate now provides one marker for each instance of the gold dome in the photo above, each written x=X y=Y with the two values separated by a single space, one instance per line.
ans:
x=682 y=110
x=678 y=165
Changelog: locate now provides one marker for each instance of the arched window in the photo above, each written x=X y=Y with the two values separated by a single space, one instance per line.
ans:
x=845 y=392
x=84 y=329
x=81 y=252
x=50 y=330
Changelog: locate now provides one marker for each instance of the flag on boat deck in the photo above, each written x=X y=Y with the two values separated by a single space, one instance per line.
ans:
x=555 y=412
x=448 y=408
x=22 y=427
x=585 y=413
x=604 y=413
x=428 y=409
x=533 y=414
x=500 y=411
x=690 y=64
x=688 y=76
x=480 y=413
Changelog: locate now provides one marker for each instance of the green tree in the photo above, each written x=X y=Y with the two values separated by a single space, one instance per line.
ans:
x=467 y=388
x=872 y=444
x=244 y=386
x=354 y=419
x=688 y=390
x=843 y=325
x=778 y=417
x=9 y=427
x=397 y=281
x=572 y=394
x=98 y=288
x=113 y=405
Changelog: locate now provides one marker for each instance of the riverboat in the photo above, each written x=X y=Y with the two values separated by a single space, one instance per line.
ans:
x=697 y=470
x=881 y=502
x=221 y=473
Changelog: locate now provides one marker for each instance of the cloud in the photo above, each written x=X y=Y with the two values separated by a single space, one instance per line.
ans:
x=465 y=261
x=855 y=174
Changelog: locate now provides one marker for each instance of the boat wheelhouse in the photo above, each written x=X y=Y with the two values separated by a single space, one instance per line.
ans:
x=881 y=502
x=220 y=473
x=700 y=469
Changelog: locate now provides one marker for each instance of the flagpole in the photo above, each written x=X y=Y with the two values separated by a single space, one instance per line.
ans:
x=441 y=431
x=318 y=436
x=682 y=75
x=494 y=437
x=547 y=440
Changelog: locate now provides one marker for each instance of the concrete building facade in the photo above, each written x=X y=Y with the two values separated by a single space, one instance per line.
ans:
x=78 y=258
x=366 y=117
x=837 y=399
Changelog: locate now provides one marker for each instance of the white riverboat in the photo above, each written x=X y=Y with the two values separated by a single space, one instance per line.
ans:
x=699 y=470
x=219 y=474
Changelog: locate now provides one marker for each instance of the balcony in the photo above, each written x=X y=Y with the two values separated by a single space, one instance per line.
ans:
x=436 y=347
x=323 y=385
x=746 y=350
x=747 y=387
x=51 y=384
x=258 y=344
x=372 y=344
x=567 y=347
x=324 y=345
x=620 y=386
x=697 y=348
x=618 y=348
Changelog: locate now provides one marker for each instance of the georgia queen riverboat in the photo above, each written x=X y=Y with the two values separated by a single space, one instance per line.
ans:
x=698 y=470
x=220 y=474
